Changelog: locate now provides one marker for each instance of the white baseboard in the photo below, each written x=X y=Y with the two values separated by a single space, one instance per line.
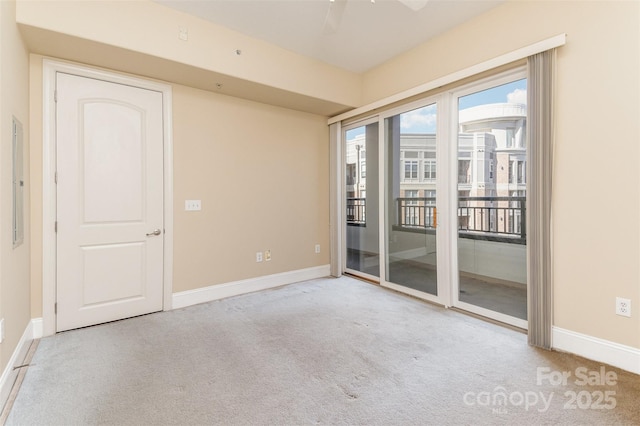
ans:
x=615 y=354
x=9 y=375
x=235 y=288
x=37 y=327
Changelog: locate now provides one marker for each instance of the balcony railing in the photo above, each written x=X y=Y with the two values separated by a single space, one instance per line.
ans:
x=356 y=214
x=500 y=219
x=487 y=218
x=493 y=218
x=417 y=212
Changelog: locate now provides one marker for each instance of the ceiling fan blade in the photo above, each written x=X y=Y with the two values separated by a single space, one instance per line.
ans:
x=414 y=5
x=334 y=16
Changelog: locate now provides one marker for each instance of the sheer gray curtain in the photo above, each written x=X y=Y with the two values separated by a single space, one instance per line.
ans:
x=540 y=133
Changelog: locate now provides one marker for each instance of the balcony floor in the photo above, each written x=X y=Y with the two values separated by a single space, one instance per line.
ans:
x=504 y=297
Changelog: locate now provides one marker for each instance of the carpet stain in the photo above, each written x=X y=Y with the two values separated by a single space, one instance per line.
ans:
x=350 y=394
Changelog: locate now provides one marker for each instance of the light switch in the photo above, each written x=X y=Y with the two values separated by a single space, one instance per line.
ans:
x=183 y=33
x=192 y=205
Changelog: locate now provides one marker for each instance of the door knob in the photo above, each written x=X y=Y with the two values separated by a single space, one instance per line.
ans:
x=156 y=232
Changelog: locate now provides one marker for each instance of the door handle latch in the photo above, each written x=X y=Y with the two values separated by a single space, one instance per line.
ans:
x=156 y=232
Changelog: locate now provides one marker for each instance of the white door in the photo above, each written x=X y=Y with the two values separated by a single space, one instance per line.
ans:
x=109 y=201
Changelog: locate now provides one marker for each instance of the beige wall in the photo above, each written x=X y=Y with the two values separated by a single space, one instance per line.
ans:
x=262 y=173
x=14 y=263
x=596 y=181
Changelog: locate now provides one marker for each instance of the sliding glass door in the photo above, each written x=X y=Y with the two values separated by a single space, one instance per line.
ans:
x=444 y=217
x=491 y=190
x=410 y=193
x=362 y=200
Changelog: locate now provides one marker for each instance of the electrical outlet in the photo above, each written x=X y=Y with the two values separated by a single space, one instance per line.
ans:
x=267 y=255
x=259 y=256
x=192 y=205
x=317 y=248
x=623 y=306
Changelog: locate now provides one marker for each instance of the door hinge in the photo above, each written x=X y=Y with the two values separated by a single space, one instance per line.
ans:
x=55 y=96
x=55 y=308
x=55 y=226
x=55 y=177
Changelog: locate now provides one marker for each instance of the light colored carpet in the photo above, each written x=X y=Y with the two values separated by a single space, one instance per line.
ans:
x=330 y=351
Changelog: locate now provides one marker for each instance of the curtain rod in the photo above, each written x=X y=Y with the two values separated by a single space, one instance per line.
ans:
x=496 y=62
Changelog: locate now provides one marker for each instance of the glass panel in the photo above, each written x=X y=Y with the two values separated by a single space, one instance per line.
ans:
x=411 y=199
x=492 y=197
x=362 y=200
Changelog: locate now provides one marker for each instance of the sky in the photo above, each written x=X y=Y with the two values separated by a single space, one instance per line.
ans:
x=423 y=120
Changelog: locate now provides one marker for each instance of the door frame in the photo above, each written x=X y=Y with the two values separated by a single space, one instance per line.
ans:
x=443 y=200
x=495 y=80
x=343 y=194
x=50 y=67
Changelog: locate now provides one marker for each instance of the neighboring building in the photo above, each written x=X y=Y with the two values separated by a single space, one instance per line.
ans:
x=356 y=167
x=491 y=163
x=500 y=165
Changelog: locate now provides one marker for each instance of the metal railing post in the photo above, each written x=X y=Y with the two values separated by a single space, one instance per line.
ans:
x=523 y=219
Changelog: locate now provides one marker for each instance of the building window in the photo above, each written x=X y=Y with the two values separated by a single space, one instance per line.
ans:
x=517 y=171
x=363 y=169
x=411 y=169
x=411 y=193
x=430 y=196
x=351 y=174
x=429 y=170
x=521 y=172
x=463 y=171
